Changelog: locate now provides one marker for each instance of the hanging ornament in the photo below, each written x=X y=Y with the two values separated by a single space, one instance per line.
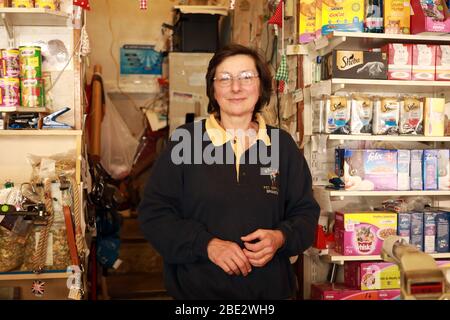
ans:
x=143 y=4
x=277 y=18
x=282 y=74
x=37 y=288
x=82 y=3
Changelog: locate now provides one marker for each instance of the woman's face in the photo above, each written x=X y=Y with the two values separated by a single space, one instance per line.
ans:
x=240 y=96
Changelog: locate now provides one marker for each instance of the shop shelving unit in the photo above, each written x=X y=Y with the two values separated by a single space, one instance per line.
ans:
x=361 y=41
x=18 y=144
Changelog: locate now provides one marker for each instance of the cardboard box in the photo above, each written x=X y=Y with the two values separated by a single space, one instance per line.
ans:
x=434 y=117
x=338 y=291
x=417 y=230
x=404 y=226
x=442 y=232
x=423 y=23
x=342 y=15
x=370 y=169
x=403 y=165
x=371 y=275
x=443 y=169
x=416 y=170
x=430 y=169
x=399 y=61
x=397 y=16
x=355 y=64
x=442 y=63
x=187 y=85
x=307 y=21
x=429 y=226
x=424 y=62
x=363 y=233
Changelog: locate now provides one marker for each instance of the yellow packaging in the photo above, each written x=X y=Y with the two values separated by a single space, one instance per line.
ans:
x=307 y=21
x=379 y=275
x=22 y=4
x=397 y=16
x=318 y=22
x=434 y=117
x=342 y=15
x=46 y=4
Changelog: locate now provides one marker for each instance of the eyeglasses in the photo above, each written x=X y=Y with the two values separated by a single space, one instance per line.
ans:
x=245 y=78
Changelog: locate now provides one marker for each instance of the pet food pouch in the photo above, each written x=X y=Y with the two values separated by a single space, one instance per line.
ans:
x=337 y=115
x=411 y=116
x=361 y=114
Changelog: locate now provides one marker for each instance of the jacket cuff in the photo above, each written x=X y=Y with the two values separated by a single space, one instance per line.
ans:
x=201 y=244
x=285 y=231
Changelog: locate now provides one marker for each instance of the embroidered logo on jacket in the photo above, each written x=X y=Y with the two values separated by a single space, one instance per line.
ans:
x=273 y=174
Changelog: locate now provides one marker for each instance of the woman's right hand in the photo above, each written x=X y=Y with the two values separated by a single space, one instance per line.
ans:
x=228 y=256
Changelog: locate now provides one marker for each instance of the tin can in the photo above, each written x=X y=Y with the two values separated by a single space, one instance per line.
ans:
x=47 y=4
x=9 y=89
x=4 y=3
x=22 y=4
x=32 y=93
x=11 y=63
x=30 y=62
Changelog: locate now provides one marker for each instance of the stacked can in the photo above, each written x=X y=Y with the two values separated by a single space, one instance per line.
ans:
x=47 y=4
x=9 y=78
x=31 y=84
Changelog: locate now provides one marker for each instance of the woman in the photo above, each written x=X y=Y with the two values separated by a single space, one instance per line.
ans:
x=230 y=200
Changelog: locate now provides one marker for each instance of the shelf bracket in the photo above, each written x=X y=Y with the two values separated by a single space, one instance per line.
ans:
x=9 y=29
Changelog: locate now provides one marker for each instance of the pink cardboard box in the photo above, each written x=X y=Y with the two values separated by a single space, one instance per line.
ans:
x=424 y=62
x=359 y=234
x=421 y=23
x=338 y=291
x=399 y=60
x=371 y=275
x=443 y=63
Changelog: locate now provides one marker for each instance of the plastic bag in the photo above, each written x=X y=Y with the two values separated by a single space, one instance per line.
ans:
x=118 y=144
x=54 y=166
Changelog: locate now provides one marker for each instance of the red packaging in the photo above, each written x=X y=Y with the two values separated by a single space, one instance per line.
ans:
x=424 y=62
x=338 y=291
x=399 y=60
x=443 y=63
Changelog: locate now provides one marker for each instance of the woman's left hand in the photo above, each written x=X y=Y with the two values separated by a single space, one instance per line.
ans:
x=261 y=245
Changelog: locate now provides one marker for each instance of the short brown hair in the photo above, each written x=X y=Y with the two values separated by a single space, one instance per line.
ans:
x=263 y=71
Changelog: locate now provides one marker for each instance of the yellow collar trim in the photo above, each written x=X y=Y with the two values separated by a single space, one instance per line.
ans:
x=219 y=136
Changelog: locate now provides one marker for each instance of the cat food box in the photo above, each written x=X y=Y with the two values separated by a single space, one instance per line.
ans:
x=417 y=230
x=397 y=16
x=370 y=169
x=371 y=275
x=404 y=226
x=342 y=15
x=430 y=169
x=399 y=60
x=423 y=62
x=429 y=232
x=338 y=291
x=386 y=115
x=442 y=232
x=416 y=170
x=444 y=169
x=403 y=166
x=355 y=64
x=434 y=117
x=359 y=234
x=337 y=115
x=442 y=63
x=318 y=22
x=307 y=21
